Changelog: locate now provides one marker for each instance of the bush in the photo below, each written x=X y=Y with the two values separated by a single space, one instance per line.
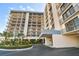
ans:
x=16 y=42
x=38 y=41
x=15 y=47
x=33 y=41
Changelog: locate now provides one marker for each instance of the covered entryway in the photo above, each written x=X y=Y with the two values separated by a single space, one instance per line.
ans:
x=49 y=41
x=47 y=34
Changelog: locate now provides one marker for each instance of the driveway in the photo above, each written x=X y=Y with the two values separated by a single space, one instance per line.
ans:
x=41 y=50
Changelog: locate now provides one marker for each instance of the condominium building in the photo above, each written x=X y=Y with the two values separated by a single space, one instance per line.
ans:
x=27 y=22
x=61 y=25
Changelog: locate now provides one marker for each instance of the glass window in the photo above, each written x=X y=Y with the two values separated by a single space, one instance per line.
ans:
x=73 y=24
x=70 y=25
x=64 y=16
x=63 y=6
x=68 y=13
x=71 y=10
x=76 y=21
x=30 y=13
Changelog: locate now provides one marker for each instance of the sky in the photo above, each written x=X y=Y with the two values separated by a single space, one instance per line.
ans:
x=6 y=7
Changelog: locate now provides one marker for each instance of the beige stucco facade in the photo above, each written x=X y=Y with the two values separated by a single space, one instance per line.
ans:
x=27 y=22
x=68 y=37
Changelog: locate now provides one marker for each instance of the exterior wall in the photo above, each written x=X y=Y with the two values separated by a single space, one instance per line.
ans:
x=26 y=24
x=60 y=41
x=70 y=17
x=48 y=17
x=21 y=23
x=48 y=41
x=55 y=16
x=16 y=22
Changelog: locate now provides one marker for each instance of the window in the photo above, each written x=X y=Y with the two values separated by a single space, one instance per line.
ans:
x=73 y=24
x=50 y=9
x=64 y=16
x=39 y=25
x=40 y=14
x=39 y=22
x=53 y=26
x=69 y=26
x=63 y=6
x=47 y=25
x=76 y=22
x=30 y=13
x=33 y=22
x=34 y=25
x=23 y=21
x=71 y=10
x=68 y=13
x=14 y=18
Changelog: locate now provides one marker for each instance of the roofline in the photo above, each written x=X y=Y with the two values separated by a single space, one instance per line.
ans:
x=25 y=11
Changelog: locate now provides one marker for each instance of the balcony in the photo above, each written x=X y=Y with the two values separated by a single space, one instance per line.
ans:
x=58 y=5
x=76 y=9
x=75 y=30
x=64 y=6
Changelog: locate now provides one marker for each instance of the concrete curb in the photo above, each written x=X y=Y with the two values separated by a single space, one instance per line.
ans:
x=16 y=49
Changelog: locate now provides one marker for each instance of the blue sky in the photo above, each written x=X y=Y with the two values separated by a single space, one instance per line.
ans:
x=6 y=7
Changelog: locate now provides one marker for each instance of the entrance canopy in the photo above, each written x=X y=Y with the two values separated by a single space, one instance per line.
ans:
x=50 y=32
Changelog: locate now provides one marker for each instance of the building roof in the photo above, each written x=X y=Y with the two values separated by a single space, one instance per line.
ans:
x=25 y=11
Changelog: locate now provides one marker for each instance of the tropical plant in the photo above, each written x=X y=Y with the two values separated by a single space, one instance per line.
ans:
x=5 y=35
x=20 y=36
x=0 y=34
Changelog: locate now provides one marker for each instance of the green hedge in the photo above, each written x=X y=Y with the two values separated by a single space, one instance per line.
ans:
x=15 y=42
x=15 y=47
x=38 y=41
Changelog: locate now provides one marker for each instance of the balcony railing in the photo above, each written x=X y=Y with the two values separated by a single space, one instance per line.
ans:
x=76 y=8
x=67 y=4
x=63 y=31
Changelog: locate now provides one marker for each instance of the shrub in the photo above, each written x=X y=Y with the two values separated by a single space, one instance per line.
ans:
x=15 y=47
x=33 y=41
x=38 y=41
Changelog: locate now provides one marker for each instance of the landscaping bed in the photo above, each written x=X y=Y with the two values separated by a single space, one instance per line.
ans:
x=15 y=47
x=18 y=43
x=15 y=44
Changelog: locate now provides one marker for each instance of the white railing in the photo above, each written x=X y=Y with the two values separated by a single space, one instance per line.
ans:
x=76 y=7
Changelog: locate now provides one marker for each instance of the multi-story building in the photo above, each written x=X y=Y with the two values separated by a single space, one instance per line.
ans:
x=26 y=22
x=61 y=25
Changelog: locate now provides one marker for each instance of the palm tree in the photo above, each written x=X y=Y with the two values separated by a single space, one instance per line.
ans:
x=5 y=35
x=0 y=34
x=20 y=35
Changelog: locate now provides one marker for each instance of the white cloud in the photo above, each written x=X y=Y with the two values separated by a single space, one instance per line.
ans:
x=11 y=8
x=29 y=8
x=22 y=8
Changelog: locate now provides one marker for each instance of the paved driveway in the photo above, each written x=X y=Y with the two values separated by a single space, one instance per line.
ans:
x=40 y=50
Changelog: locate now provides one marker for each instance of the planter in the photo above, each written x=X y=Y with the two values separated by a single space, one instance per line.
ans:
x=22 y=49
x=15 y=48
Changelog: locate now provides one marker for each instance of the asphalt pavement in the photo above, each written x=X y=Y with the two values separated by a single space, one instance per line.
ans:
x=41 y=50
